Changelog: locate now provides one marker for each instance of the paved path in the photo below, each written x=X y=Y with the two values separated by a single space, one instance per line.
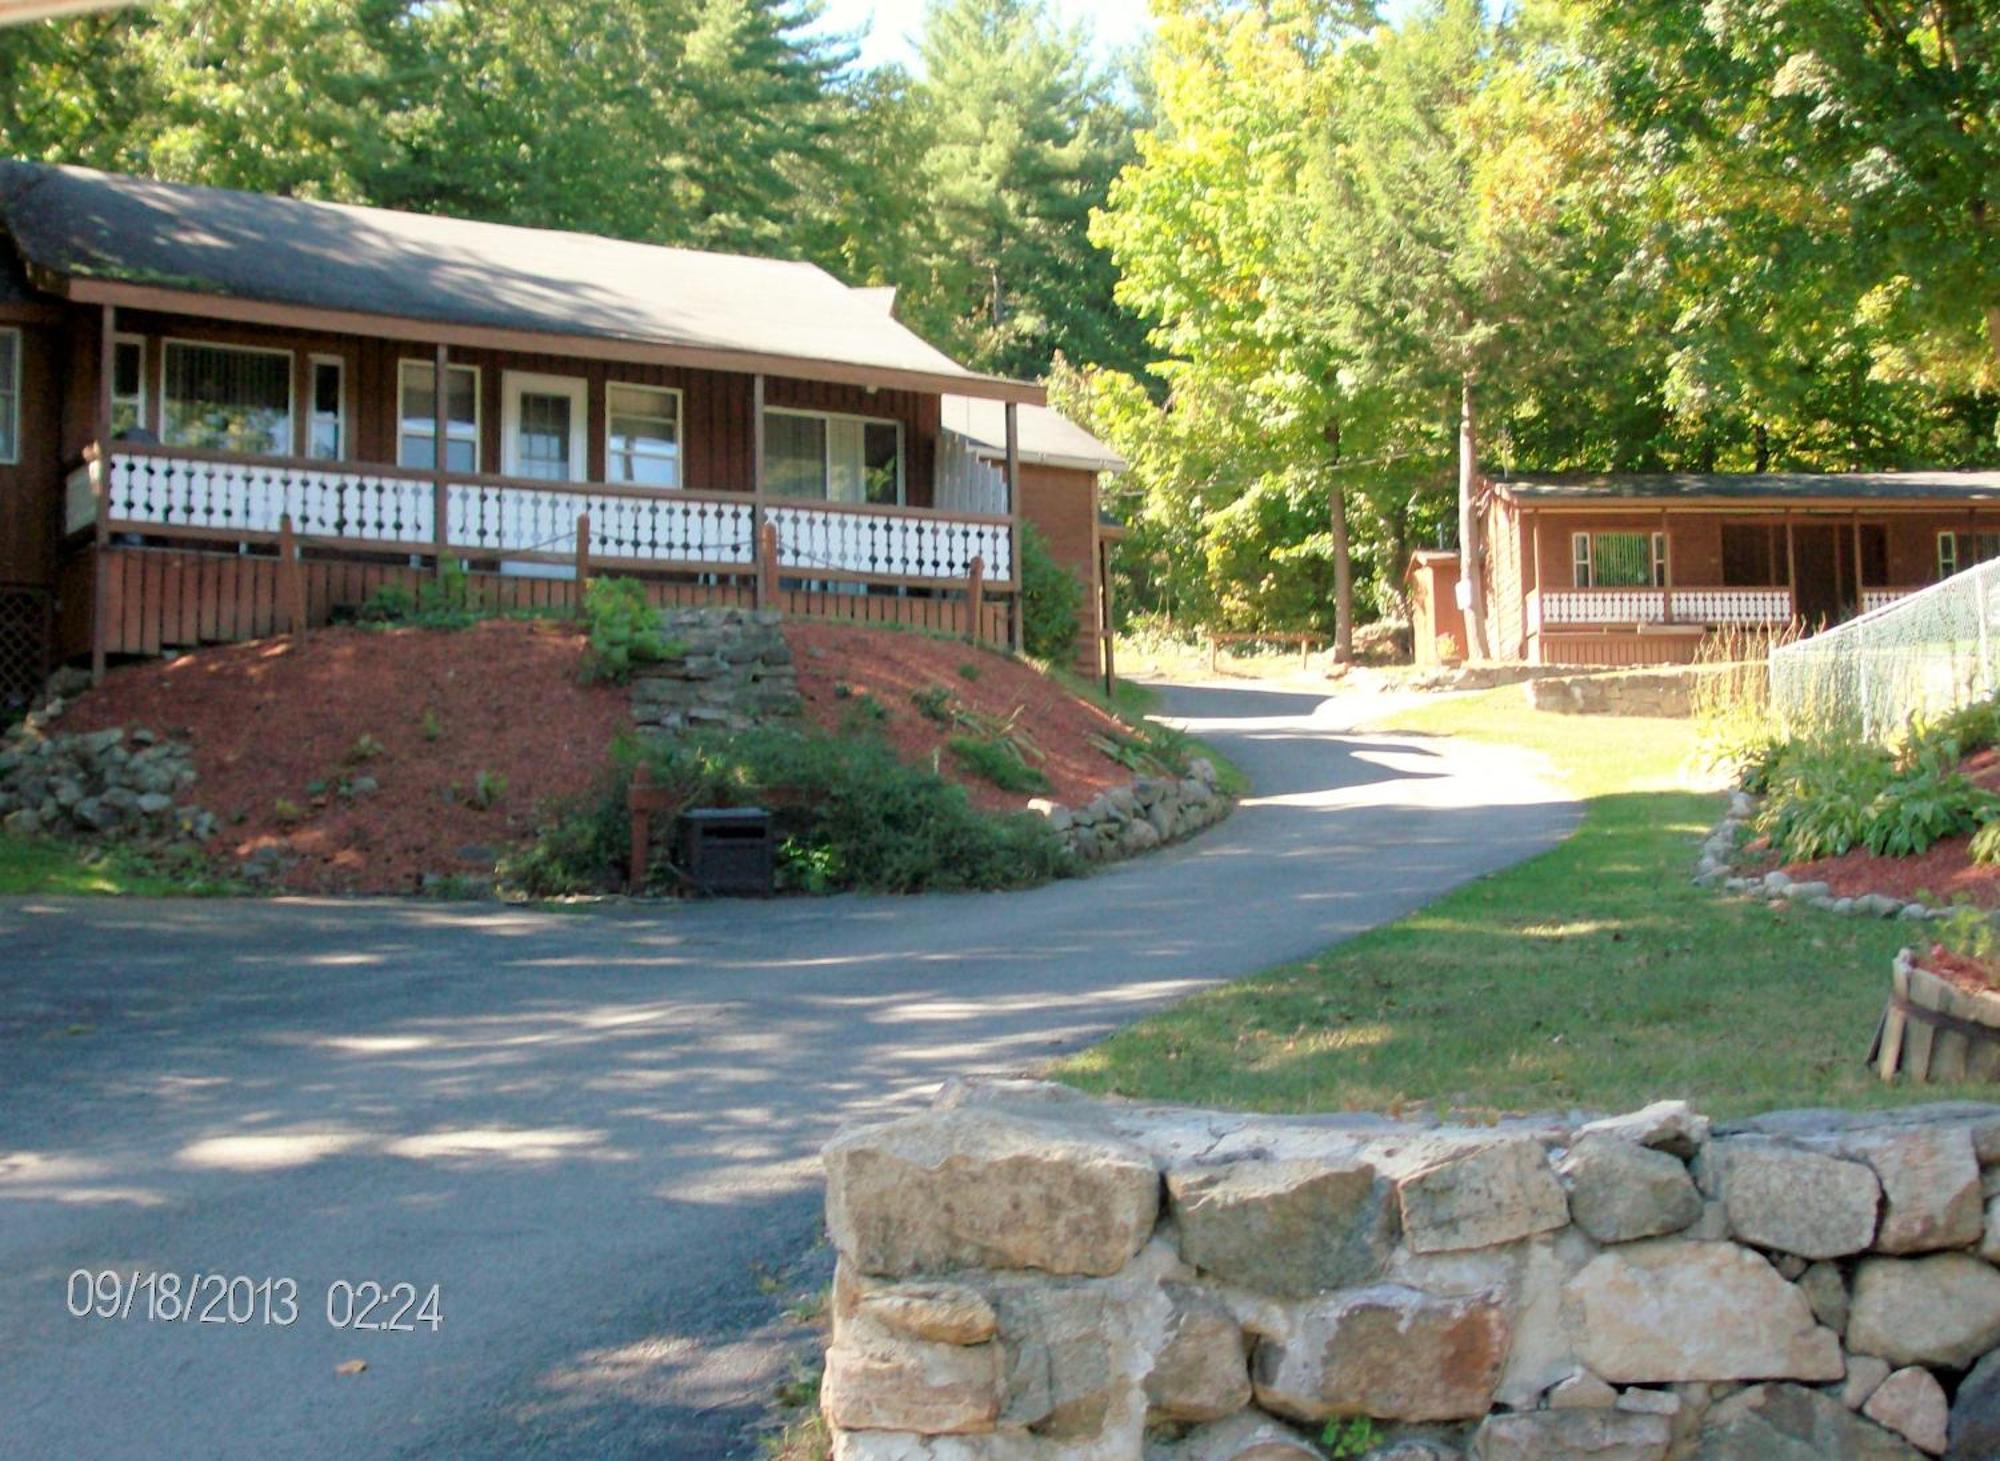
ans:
x=591 y=1128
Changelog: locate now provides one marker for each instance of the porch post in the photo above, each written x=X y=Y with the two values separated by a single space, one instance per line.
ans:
x=1667 y=571
x=1533 y=521
x=758 y=537
x=1014 y=518
x=440 y=493
x=100 y=467
x=1860 y=585
x=1106 y=610
x=1791 y=564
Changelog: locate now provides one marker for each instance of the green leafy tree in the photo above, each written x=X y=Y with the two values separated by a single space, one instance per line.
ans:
x=1022 y=137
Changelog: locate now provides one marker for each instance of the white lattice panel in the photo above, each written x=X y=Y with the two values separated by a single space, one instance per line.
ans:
x=1602 y=606
x=1732 y=605
x=666 y=528
x=354 y=504
x=890 y=546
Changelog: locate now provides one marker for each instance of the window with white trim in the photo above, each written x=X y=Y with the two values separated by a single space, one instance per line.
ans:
x=326 y=409
x=226 y=398
x=1618 y=560
x=10 y=396
x=642 y=442
x=1961 y=550
x=128 y=383
x=816 y=454
x=417 y=412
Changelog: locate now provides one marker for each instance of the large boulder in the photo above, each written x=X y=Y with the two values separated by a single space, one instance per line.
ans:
x=1245 y=1437
x=1792 y=1423
x=1911 y=1403
x=876 y=1381
x=1202 y=1371
x=1069 y=1366
x=1496 y=1193
x=1620 y=1191
x=1669 y=1126
x=987 y=1189
x=1573 y=1435
x=1930 y=1186
x=1942 y=1310
x=1795 y=1201
x=1664 y=1311
x=1975 y=1414
x=1390 y=1352
x=1290 y=1228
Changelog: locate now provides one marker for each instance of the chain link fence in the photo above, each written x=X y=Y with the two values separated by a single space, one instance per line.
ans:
x=1915 y=658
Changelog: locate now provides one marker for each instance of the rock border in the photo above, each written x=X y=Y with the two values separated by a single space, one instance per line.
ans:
x=1127 y=821
x=1713 y=870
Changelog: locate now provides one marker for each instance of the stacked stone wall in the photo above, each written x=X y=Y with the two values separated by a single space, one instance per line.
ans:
x=1025 y=1274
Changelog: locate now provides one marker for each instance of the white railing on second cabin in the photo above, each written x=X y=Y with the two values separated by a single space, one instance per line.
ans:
x=174 y=493
x=1732 y=605
x=1880 y=598
x=1591 y=606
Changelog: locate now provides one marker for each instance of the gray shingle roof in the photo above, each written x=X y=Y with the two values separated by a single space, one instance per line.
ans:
x=97 y=226
x=1755 y=486
x=1045 y=436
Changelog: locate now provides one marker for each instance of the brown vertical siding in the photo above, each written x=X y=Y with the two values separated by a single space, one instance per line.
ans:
x=31 y=488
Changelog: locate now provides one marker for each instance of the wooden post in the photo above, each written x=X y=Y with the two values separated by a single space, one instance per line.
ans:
x=767 y=566
x=440 y=493
x=1791 y=565
x=758 y=537
x=1016 y=633
x=975 y=597
x=100 y=491
x=1667 y=572
x=582 y=558
x=640 y=806
x=291 y=577
x=1534 y=522
x=1110 y=624
x=1860 y=584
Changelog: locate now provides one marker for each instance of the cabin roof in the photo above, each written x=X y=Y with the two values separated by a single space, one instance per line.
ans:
x=109 y=238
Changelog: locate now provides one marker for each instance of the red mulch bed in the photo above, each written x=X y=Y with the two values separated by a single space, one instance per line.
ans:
x=1968 y=974
x=269 y=718
x=1946 y=872
x=890 y=666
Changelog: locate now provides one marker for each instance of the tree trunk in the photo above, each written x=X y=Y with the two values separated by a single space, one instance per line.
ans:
x=1343 y=558
x=1760 y=438
x=1468 y=526
x=1993 y=330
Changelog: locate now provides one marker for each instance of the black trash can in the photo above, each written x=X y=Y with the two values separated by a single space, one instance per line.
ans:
x=727 y=851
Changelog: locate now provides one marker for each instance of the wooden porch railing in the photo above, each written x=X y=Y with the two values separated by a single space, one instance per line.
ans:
x=222 y=497
x=1557 y=608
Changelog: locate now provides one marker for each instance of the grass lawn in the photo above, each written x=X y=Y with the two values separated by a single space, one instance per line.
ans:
x=1594 y=976
x=41 y=866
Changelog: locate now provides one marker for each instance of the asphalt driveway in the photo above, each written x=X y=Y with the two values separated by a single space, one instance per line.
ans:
x=590 y=1129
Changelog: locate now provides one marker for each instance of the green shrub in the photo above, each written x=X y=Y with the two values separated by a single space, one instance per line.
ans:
x=1956 y=734
x=1926 y=803
x=1051 y=601
x=624 y=629
x=851 y=816
x=581 y=849
x=968 y=671
x=995 y=759
x=1820 y=799
x=389 y=604
x=934 y=702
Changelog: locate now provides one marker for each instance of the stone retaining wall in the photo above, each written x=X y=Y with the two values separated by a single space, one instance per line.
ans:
x=1128 y=820
x=1027 y=1275
x=109 y=785
x=733 y=671
x=1664 y=691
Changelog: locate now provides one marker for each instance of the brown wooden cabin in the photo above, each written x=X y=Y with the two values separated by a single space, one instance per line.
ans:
x=190 y=375
x=1639 y=569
